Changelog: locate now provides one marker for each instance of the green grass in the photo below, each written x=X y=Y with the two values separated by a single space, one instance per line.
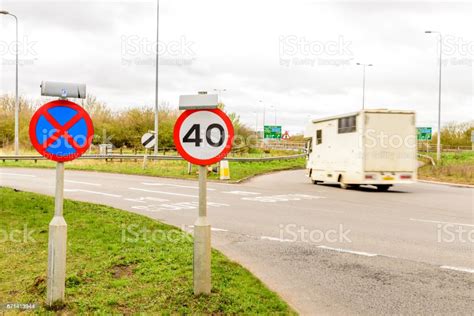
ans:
x=454 y=167
x=109 y=271
x=164 y=168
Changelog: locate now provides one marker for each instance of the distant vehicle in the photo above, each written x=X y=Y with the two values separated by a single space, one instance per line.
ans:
x=369 y=147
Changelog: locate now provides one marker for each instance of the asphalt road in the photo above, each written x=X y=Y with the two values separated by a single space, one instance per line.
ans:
x=324 y=249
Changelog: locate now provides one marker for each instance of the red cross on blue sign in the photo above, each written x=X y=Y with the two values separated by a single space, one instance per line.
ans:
x=61 y=130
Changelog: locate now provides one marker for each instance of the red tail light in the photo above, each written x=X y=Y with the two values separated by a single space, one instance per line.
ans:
x=369 y=177
x=405 y=176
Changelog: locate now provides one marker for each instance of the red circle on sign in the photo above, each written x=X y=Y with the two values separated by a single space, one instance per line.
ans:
x=194 y=160
x=61 y=131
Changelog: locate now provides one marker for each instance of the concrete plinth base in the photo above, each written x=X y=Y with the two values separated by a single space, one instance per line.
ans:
x=56 y=260
x=202 y=257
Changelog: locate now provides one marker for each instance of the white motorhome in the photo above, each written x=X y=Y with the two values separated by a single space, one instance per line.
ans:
x=369 y=147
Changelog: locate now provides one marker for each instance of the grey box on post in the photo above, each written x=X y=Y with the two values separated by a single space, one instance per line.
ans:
x=198 y=101
x=63 y=89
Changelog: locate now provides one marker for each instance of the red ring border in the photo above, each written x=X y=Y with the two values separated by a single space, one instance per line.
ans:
x=203 y=162
x=69 y=104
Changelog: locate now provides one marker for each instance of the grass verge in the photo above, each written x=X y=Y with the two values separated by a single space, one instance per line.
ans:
x=164 y=168
x=454 y=168
x=117 y=262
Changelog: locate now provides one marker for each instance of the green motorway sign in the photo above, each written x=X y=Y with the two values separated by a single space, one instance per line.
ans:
x=272 y=131
x=423 y=133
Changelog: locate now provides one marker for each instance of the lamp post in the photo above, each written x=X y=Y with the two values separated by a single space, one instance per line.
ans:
x=363 y=82
x=256 y=125
x=17 y=104
x=275 y=110
x=155 y=149
x=261 y=102
x=438 y=140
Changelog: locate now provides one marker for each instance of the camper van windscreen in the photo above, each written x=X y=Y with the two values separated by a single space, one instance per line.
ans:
x=346 y=124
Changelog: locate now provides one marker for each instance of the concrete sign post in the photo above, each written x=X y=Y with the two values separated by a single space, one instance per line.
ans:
x=60 y=131
x=202 y=137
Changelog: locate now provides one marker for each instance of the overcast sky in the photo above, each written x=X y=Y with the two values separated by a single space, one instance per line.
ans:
x=298 y=57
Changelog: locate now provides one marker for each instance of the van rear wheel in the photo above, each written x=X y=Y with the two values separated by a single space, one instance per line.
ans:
x=383 y=187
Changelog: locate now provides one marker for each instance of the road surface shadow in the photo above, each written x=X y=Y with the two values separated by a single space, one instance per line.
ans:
x=365 y=188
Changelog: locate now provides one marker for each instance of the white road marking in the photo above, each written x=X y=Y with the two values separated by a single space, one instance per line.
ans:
x=458 y=269
x=18 y=175
x=439 y=222
x=92 y=192
x=174 y=185
x=275 y=239
x=214 y=229
x=86 y=183
x=361 y=253
x=145 y=199
x=282 y=198
x=163 y=192
x=218 y=229
x=241 y=192
x=175 y=206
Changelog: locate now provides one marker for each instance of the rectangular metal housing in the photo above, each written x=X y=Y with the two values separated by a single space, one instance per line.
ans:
x=198 y=101
x=63 y=89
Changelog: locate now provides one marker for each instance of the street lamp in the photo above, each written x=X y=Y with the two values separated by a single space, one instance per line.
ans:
x=256 y=124
x=275 y=110
x=17 y=105
x=438 y=143
x=261 y=102
x=155 y=149
x=363 y=83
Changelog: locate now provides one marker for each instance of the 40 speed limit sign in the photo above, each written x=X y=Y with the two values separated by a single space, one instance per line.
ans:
x=203 y=137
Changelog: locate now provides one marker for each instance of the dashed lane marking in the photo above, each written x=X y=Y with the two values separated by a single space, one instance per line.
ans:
x=93 y=192
x=175 y=206
x=439 y=222
x=361 y=253
x=146 y=199
x=17 y=175
x=275 y=239
x=214 y=229
x=282 y=198
x=163 y=192
x=461 y=269
x=85 y=183
x=174 y=185
x=241 y=192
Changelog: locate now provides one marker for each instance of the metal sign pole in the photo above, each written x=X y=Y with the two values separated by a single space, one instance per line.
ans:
x=202 y=241
x=57 y=244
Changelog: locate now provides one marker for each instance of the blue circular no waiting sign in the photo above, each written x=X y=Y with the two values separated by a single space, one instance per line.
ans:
x=61 y=130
